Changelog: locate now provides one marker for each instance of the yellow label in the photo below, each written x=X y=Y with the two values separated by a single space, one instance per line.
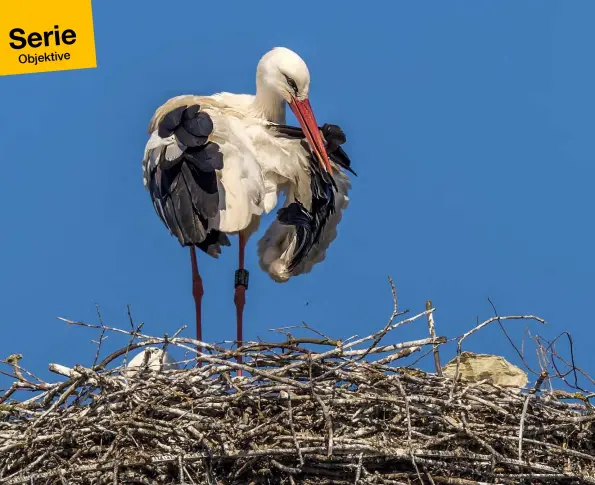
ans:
x=46 y=35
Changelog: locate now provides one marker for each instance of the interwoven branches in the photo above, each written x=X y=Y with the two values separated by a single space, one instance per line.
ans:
x=312 y=410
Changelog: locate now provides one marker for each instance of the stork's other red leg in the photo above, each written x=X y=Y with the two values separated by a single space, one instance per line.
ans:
x=241 y=285
x=197 y=292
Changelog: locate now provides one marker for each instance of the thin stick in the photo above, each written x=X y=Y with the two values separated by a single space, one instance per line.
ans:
x=432 y=329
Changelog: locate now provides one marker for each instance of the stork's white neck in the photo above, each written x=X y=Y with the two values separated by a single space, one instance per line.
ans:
x=268 y=104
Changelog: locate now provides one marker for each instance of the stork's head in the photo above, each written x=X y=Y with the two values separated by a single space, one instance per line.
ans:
x=284 y=73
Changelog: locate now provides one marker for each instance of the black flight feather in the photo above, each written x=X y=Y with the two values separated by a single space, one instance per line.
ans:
x=170 y=122
x=296 y=215
x=184 y=190
x=334 y=136
x=310 y=224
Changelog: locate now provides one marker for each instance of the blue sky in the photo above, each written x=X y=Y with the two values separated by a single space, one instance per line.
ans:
x=470 y=125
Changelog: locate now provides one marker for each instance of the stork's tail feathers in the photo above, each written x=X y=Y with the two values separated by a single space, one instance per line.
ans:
x=179 y=172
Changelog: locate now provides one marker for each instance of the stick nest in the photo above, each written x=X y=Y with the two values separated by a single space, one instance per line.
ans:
x=302 y=411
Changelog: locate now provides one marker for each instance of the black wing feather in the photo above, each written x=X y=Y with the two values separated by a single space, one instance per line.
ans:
x=170 y=122
x=310 y=224
x=184 y=190
x=334 y=137
x=296 y=215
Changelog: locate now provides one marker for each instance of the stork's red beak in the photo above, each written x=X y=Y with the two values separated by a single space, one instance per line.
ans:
x=303 y=112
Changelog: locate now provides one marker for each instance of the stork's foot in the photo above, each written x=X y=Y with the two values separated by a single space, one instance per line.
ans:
x=241 y=285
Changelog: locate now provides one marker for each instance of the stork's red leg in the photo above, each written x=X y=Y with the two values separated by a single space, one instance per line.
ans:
x=241 y=285
x=197 y=292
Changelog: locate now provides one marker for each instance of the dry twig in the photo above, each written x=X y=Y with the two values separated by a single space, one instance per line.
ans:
x=296 y=415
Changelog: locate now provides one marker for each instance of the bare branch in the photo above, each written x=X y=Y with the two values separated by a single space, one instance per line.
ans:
x=305 y=410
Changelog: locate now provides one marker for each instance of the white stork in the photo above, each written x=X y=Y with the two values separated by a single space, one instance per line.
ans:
x=214 y=164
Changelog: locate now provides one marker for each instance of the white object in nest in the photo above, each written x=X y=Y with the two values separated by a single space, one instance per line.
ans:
x=153 y=361
x=477 y=367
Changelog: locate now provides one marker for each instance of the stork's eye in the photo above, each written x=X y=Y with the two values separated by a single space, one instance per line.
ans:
x=292 y=84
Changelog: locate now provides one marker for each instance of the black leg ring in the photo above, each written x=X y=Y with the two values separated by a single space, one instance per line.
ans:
x=241 y=278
